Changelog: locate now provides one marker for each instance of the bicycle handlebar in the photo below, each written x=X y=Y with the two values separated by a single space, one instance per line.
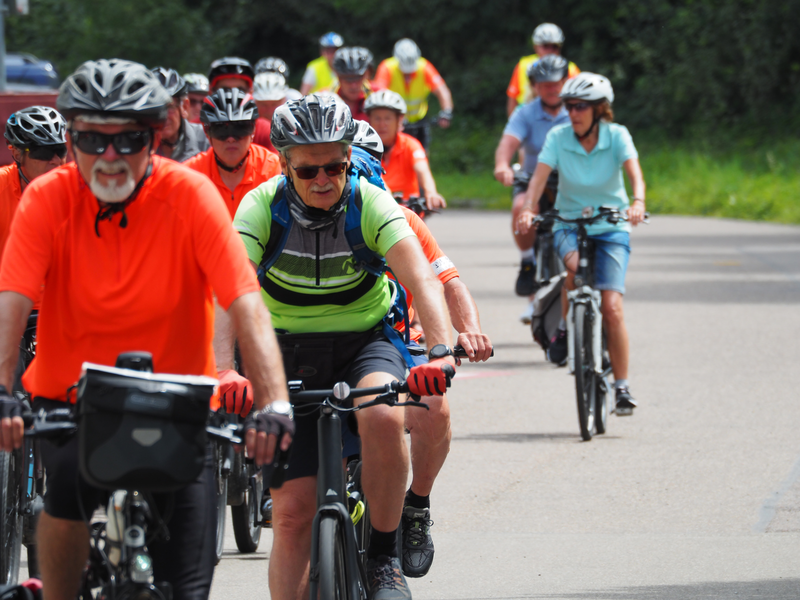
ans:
x=612 y=215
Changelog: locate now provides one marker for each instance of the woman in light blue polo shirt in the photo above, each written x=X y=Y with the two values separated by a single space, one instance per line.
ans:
x=590 y=155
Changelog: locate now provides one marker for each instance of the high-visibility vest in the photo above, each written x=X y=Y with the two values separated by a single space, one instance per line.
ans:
x=523 y=83
x=415 y=93
x=325 y=77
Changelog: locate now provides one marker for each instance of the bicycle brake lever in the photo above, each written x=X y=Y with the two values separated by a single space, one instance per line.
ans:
x=413 y=402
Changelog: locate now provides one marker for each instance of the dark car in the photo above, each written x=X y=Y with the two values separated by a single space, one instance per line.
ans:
x=27 y=70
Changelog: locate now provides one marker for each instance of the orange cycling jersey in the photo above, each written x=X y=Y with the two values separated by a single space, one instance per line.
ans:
x=147 y=286
x=261 y=137
x=10 y=193
x=443 y=267
x=259 y=167
x=399 y=161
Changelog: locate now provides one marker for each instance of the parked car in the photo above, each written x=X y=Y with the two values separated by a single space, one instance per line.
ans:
x=27 y=70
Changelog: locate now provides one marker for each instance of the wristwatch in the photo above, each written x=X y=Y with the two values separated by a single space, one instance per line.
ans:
x=279 y=407
x=440 y=351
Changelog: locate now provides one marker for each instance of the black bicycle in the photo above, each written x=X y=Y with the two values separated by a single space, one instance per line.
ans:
x=588 y=356
x=417 y=204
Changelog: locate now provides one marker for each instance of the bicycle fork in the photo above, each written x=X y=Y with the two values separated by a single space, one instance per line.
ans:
x=591 y=297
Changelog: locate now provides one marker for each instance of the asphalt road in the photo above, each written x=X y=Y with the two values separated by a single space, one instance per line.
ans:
x=695 y=496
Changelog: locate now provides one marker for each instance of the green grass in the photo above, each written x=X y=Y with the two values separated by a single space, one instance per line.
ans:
x=739 y=178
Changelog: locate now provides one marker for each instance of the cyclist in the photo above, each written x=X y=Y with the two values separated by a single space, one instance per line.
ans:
x=180 y=139
x=430 y=430
x=528 y=127
x=319 y=75
x=197 y=90
x=404 y=159
x=233 y=163
x=547 y=39
x=332 y=315
x=414 y=78
x=590 y=156
x=269 y=92
x=350 y=66
x=128 y=246
x=37 y=140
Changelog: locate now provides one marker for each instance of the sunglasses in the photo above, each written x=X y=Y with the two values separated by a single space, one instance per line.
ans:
x=576 y=106
x=196 y=101
x=223 y=131
x=331 y=170
x=46 y=153
x=125 y=143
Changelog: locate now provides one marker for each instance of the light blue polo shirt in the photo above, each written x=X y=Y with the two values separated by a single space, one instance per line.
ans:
x=593 y=179
x=530 y=123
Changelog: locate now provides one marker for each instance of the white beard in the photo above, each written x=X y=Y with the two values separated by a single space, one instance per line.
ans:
x=112 y=192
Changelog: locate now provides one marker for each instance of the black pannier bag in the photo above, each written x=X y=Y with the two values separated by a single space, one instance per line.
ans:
x=547 y=310
x=139 y=430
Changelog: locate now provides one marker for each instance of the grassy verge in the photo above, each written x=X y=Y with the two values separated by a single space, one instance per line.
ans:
x=742 y=179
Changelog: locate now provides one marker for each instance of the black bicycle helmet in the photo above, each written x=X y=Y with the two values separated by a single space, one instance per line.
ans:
x=114 y=88
x=230 y=66
x=174 y=83
x=549 y=68
x=197 y=83
x=272 y=64
x=314 y=119
x=227 y=105
x=36 y=126
x=352 y=61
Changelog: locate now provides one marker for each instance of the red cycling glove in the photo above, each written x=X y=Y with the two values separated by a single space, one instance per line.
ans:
x=235 y=393
x=431 y=379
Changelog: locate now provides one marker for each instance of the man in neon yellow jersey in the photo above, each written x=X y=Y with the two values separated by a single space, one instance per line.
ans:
x=319 y=75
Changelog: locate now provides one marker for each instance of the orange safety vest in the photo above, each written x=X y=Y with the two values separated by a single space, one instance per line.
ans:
x=415 y=92
x=523 y=83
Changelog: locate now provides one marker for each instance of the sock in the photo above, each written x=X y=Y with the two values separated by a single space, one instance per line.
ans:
x=562 y=324
x=382 y=544
x=620 y=383
x=417 y=501
x=527 y=254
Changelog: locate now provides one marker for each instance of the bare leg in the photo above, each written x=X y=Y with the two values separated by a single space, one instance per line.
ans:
x=523 y=241
x=571 y=262
x=63 y=548
x=617 y=333
x=293 y=509
x=430 y=442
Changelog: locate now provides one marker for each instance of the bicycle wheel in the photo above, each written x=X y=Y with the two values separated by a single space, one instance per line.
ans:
x=585 y=385
x=332 y=574
x=222 y=502
x=361 y=517
x=243 y=517
x=11 y=524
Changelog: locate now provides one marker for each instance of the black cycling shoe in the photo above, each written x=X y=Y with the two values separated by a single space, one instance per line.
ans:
x=625 y=402
x=557 y=350
x=526 y=280
x=417 y=543
x=385 y=579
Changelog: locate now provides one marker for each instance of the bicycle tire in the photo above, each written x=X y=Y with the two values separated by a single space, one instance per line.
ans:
x=585 y=385
x=603 y=409
x=11 y=524
x=243 y=518
x=221 y=486
x=362 y=527
x=332 y=574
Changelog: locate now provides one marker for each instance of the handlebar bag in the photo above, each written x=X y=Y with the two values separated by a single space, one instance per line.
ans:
x=140 y=430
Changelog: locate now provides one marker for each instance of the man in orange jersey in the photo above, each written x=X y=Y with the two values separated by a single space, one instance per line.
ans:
x=129 y=247
x=233 y=162
x=404 y=158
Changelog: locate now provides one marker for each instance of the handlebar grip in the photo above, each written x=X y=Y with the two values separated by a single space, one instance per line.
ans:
x=459 y=352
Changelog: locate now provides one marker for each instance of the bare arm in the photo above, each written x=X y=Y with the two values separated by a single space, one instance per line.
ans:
x=466 y=320
x=423 y=171
x=14 y=311
x=530 y=208
x=634 y=171
x=445 y=98
x=502 y=159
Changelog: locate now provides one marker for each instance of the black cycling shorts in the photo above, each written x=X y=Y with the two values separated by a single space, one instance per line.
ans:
x=321 y=360
x=187 y=560
x=421 y=130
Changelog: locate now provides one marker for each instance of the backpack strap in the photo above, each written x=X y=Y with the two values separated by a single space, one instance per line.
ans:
x=363 y=256
x=278 y=232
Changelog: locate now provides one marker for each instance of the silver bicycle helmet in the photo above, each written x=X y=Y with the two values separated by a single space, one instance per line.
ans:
x=174 y=83
x=368 y=139
x=114 y=88
x=313 y=119
x=269 y=86
x=588 y=86
x=36 y=126
x=227 y=105
x=272 y=64
x=385 y=99
x=352 y=61
x=549 y=68
x=407 y=54
x=197 y=82
x=547 y=33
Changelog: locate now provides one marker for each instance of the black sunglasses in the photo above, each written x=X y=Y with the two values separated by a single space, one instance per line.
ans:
x=331 y=170
x=223 y=131
x=576 y=106
x=127 y=142
x=46 y=153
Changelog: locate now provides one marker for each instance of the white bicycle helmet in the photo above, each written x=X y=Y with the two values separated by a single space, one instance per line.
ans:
x=269 y=86
x=198 y=83
x=588 y=86
x=407 y=54
x=547 y=33
x=385 y=99
x=368 y=139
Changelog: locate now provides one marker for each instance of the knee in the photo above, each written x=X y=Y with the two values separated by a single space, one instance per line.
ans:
x=432 y=424
x=292 y=514
x=380 y=424
x=612 y=312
